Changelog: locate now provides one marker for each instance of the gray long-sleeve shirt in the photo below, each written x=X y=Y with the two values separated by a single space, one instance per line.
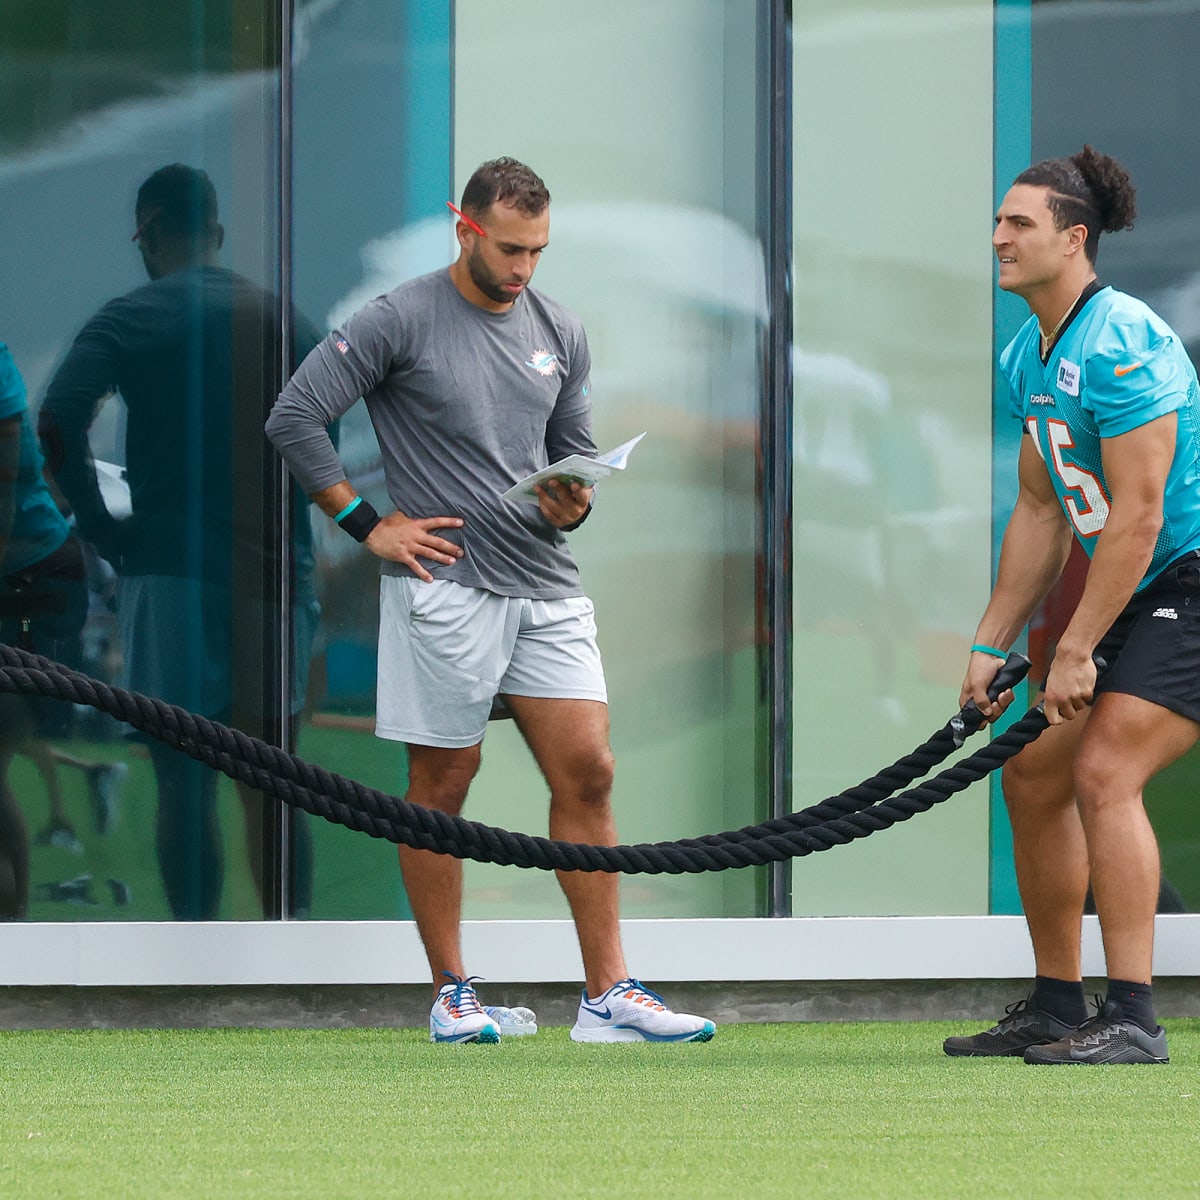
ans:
x=464 y=402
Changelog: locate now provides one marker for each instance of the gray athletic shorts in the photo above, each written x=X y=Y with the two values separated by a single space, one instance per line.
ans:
x=446 y=651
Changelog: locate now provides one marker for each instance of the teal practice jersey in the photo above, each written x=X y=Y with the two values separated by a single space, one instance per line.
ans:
x=1116 y=367
x=37 y=528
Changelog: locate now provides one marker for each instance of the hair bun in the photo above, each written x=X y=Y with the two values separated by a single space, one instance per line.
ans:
x=1111 y=186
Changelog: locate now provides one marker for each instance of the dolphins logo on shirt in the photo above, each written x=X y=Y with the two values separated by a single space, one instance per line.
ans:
x=543 y=362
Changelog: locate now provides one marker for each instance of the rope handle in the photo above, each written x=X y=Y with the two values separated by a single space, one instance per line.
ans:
x=1011 y=671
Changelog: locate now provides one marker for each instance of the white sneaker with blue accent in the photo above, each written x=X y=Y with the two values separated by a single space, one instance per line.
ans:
x=631 y=1012
x=457 y=1017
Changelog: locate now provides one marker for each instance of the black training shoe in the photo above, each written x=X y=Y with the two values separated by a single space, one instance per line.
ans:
x=1021 y=1027
x=1105 y=1038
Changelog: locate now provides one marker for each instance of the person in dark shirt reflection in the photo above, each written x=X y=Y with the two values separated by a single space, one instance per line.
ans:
x=191 y=356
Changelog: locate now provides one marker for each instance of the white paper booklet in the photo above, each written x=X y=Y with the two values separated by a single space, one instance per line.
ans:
x=575 y=468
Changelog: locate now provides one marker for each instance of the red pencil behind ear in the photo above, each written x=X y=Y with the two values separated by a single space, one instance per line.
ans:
x=462 y=216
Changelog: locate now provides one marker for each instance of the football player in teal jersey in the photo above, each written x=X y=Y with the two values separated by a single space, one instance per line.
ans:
x=1109 y=400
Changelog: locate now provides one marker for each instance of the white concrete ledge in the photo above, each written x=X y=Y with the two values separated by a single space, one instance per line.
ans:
x=374 y=952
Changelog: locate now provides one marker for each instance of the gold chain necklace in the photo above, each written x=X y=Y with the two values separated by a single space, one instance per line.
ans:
x=1048 y=338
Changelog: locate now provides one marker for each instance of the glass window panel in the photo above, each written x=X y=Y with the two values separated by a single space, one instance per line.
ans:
x=1083 y=91
x=892 y=425
x=641 y=120
x=164 y=394
x=361 y=228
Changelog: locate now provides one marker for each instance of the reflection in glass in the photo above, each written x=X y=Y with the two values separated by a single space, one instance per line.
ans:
x=43 y=603
x=189 y=354
x=93 y=101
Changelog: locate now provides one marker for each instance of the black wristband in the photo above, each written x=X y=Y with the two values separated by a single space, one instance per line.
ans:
x=359 y=521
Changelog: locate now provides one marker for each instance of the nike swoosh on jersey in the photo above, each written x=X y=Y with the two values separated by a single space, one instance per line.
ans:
x=1119 y=371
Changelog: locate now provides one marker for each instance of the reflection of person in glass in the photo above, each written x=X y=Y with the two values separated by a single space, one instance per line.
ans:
x=1110 y=406
x=190 y=354
x=43 y=603
x=473 y=380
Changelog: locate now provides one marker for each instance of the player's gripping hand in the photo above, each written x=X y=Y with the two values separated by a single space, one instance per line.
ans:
x=408 y=539
x=562 y=503
x=1070 y=685
x=981 y=670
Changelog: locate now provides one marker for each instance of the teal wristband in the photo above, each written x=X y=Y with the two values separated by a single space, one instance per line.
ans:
x=989 y=650
x=348 y=509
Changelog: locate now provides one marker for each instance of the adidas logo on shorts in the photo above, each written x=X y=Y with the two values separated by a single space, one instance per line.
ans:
x=1169 y=613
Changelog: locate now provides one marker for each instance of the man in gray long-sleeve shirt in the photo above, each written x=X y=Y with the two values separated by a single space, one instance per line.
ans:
x=473 y=380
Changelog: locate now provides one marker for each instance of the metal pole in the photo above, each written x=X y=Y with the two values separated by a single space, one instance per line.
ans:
x=775 y=221
x=281 y=481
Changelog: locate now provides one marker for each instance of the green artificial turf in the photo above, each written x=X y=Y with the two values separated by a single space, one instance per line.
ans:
x=840 y=1110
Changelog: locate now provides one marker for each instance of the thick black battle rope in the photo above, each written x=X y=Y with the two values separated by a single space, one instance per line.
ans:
x=834 y=822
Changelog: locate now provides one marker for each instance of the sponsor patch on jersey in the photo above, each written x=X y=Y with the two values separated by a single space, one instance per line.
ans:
x=543 y=362
x=341 y=345
x=1169 y=613
x=1041 y=398
x=1068 y=377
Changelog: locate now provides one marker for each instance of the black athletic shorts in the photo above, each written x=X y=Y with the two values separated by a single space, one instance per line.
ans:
x=1153 y=647
x=43 y=609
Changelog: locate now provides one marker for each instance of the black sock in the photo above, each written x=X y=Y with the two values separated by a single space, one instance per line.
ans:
x=1136 y=1001
x=1061 y=998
